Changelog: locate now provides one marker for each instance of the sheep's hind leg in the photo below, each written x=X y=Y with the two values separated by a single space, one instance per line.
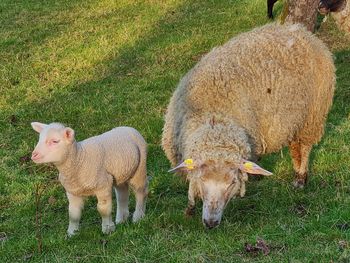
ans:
x=122 y=196
x=76 y=205
x=300 y=156
x=104 y=207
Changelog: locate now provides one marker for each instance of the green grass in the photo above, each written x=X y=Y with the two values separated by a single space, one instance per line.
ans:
x=97 y=64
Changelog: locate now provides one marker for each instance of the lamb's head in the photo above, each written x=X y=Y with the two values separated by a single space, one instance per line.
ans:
x=55 y=142
x=217 y=183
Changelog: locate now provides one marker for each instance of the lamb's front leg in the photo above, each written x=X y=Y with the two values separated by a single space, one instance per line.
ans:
x=104 y=207
x=76 y=204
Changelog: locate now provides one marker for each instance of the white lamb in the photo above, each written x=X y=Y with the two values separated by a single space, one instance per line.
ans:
x=93 y=166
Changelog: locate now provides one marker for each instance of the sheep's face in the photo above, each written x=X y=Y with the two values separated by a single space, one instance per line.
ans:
x=216 y=183
x=54 y=142
x=217 y=187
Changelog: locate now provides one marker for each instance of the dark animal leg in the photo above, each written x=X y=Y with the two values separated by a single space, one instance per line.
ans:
x=270 y=4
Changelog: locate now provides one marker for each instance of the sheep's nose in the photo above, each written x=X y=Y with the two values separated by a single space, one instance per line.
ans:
x=210 y=223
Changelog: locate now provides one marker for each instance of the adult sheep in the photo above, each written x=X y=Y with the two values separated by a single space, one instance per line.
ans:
x=260 y=91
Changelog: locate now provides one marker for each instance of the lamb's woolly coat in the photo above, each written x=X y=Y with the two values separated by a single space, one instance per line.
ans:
x=95 y=163
x=253 y=95
x=93 y=166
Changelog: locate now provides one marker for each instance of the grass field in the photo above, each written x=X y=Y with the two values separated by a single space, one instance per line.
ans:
x=97 y=64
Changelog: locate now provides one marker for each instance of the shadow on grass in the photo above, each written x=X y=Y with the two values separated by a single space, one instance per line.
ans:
x=135 y=86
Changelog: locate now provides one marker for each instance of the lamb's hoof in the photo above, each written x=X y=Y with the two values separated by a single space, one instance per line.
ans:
x=137 y=216
x=107 y=229
x=121 y=219
x=72 y=229
x=190 y=211
x=71 y=233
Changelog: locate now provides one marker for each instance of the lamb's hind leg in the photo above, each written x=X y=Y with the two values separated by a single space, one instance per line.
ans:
x=140 y=209
x=300 y=156
x=122 y=196
x=139 y=184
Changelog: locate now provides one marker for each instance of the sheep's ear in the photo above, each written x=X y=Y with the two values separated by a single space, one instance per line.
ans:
x=252 y=168
x=38 y=127
x=186 y=165
x=68 y=134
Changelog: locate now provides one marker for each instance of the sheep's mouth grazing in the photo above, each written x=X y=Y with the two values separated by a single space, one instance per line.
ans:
x=211 y=224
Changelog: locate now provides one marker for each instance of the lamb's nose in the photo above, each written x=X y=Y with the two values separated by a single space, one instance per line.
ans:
x=210 y=223
x=35 y=155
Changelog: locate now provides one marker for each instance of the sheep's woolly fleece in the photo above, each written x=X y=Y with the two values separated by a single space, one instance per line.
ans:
x=253 y=95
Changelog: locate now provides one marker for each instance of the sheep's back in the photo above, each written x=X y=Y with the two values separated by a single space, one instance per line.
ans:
x=269 y=81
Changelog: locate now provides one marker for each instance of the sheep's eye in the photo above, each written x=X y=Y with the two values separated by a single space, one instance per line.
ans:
x=55 y=141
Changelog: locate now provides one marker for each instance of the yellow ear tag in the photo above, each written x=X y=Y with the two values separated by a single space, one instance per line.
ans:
x=248 y=165
x=189 y=164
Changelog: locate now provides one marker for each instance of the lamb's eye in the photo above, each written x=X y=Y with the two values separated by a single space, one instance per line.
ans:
x=55 y=141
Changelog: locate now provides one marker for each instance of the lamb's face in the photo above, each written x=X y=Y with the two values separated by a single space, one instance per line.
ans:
x=217 y=187
x=54 y=142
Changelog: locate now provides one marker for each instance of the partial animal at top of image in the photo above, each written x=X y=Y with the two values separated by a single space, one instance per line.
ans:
x=325 y=6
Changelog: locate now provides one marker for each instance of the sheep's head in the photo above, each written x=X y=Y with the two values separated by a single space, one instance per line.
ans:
x=217 y=183
x=54 y=142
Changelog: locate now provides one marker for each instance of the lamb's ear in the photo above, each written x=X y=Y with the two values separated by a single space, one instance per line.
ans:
x=252 y=168
x=68 y=134
x=38 y=127
x=186 y=165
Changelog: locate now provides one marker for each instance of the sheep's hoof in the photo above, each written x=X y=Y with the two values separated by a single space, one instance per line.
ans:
x=190 y=211
x=299 y=184
x=300 y=180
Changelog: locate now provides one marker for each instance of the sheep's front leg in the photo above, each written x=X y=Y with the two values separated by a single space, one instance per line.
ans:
x=104 y=207
x=122 y=196
x=192 y=190
x=76 y=205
